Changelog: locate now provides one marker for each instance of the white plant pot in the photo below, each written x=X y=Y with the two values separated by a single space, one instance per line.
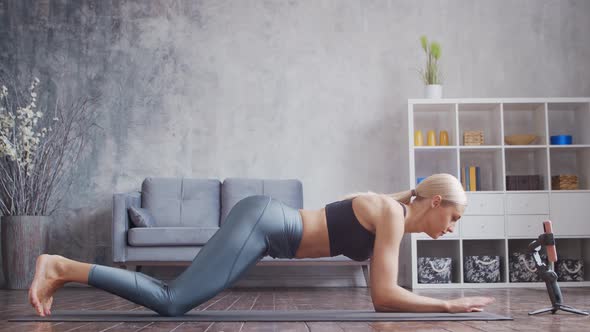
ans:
x=433 y=91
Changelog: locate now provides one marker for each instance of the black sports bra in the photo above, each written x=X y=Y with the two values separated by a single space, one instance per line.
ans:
x=347 y=236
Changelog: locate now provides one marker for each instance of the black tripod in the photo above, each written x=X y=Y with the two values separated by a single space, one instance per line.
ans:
x=550 y=277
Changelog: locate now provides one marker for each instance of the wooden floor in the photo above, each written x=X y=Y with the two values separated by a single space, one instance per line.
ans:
x=515 y=302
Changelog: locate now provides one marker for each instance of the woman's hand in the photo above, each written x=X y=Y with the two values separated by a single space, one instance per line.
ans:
x=468 y=304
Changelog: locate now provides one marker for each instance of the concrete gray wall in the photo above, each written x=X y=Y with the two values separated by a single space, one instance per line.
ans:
x=314 y=90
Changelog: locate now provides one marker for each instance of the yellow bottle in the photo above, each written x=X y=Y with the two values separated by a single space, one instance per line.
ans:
x=431 y=138
x=443 y=138
x=418 y=139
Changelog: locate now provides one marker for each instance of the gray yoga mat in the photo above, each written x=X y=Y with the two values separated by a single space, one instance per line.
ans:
x=254 y=316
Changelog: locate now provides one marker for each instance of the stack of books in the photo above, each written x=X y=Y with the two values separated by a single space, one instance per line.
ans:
x=471 y=178
x=524 y=182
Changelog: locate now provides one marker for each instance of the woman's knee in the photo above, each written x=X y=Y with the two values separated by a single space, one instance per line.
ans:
x=254 y=201
x=172 y=310
x=248 y=208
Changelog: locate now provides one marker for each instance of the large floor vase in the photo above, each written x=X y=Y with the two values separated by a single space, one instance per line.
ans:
x=23 y=239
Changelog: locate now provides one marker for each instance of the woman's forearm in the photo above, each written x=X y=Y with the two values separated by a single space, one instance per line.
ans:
x=406 y=301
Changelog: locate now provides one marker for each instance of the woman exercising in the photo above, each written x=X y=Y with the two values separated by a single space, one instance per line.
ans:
x=361 y=226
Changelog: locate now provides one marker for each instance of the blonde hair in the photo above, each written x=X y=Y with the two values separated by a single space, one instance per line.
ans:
x=443 y=184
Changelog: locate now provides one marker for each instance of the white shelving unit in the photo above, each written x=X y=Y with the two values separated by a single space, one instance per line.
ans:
x=498 y=221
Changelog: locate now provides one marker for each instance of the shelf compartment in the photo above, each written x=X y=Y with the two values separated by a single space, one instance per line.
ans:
x=578 y=249
x=481 y=117
x=474 y=227
x=450 y=248
x=569 y=213
x=434 y=161
x=572 y=161
x=526 y=162
x=525 y=118
x=533 y=203
x=567 y=248
x=525 y=225
x=486 y=248
x=486 y=204
x=489 y=162
x=570 y=119
x=526 y=268
x=436 y=117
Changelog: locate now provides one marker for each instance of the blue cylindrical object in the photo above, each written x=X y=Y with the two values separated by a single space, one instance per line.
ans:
x=561 y=139
x=420 y=179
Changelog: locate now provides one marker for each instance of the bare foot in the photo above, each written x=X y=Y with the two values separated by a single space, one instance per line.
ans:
x=45 y=283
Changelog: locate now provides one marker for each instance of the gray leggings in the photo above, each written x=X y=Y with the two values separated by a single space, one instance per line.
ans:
x=255 y=227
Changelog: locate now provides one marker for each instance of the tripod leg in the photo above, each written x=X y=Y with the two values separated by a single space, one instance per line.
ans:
x=572 y=310
x=540 y=311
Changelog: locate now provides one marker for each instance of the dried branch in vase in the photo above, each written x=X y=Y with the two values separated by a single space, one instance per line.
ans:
x=36 y=165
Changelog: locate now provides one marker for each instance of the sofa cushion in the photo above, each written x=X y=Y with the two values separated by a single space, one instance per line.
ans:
x=187 y=202
x=170 y=236
x=141 y=217
x=288 y=191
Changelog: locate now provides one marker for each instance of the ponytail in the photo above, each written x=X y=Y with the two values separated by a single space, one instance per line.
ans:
x=445 y=185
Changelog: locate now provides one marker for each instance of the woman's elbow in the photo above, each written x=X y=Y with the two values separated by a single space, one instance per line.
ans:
x=387 y=303
x=378 y=302
x=382 y=308
x=379 y=308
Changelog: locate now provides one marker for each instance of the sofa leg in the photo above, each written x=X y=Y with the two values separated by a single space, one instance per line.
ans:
x=366 y=273
x=138 y=268
x=123 y=266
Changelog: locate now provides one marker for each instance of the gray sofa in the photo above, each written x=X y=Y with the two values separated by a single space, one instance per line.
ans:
x=188 y=211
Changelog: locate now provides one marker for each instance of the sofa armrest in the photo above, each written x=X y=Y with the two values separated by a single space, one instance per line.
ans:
x=121 y=202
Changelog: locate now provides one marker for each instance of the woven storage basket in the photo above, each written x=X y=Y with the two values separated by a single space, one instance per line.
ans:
x=564 y=182
x=570 y=269
x=434 y=270
x=473 y=137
